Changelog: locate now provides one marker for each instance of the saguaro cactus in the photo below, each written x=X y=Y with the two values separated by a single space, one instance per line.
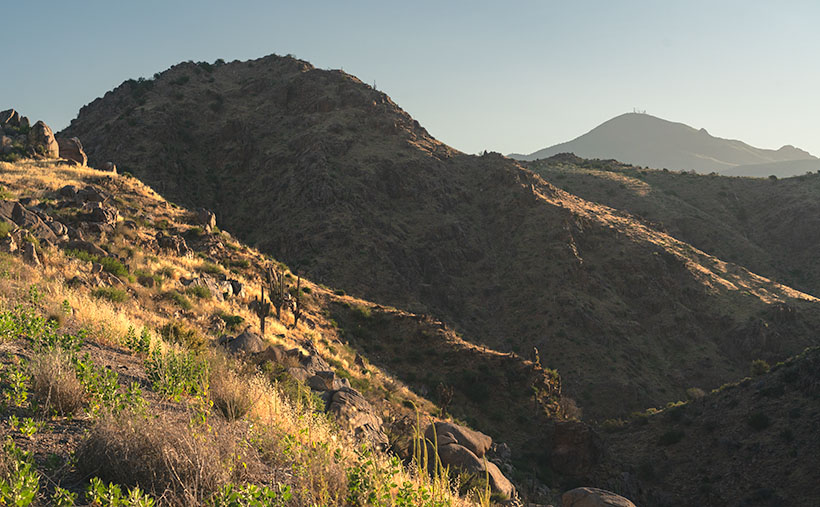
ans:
x=262 y=309
x=275 y=278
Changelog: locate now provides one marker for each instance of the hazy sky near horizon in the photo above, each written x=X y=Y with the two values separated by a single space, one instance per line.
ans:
x=511 y=76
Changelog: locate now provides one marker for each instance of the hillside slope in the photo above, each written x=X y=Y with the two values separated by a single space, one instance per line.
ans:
x=767 y=225
x=645 y=140
x=751 y=443
x=331 y=176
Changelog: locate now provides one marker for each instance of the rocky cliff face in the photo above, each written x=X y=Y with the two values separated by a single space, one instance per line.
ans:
x=331 y=176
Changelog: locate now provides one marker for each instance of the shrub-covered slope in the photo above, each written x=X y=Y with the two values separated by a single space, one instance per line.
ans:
x=331 y=176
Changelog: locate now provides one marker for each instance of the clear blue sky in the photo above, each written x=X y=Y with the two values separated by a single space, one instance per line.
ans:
x=504 y=76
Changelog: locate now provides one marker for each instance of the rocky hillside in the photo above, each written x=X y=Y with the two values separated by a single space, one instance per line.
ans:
x=751 y=443
x=645 y=140
x=332 y=177
x=767 y=225
x=167 y=301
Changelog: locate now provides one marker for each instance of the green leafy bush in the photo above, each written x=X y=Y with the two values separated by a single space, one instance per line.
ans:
x=177 y=374
x=112 y=294
x=179 y=299
x=20 y=482
x=198 y=291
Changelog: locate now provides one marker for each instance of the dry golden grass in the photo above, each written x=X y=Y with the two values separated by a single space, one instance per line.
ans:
x=54 y=383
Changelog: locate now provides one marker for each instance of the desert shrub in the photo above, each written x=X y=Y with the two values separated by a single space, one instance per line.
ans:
x=112 y=294
x=209 y=268
x=55 y=384
x=181 y=334
x=111 y=495
x=232 y=322
x=339 y=292
x=230 y=394
x=133 y=450
x=198 y=291
x=671 y=437
x=758 y=421
x=103 y=390
x=695 y=393
x=251 y=494
x=759 y=367
x=19 y=482
x=240 y=263
x=178 y=299
x=177 y=374
x=5 y=229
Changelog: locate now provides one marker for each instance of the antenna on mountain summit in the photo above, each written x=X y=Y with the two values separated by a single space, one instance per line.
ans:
x=638 y=111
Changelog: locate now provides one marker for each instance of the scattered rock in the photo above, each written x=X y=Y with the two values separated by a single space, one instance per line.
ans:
x=72 y=149
x=327 y=381
x=355 y=413
x=237 y=288
x=206 y=218
x=26 y=219
x=8 y=244
x=30 y=254
x=593 y=497
x=68 y=191
x=219 y=289
x=6 y=145
x=478 y=443
x=245 y=343
x=41 y=135
x=149 y=282
x=102 y=214
x=90 y=194
x=174 y=244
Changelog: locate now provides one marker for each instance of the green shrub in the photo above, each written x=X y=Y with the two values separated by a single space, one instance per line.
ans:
x=179 y=333
x=112 y=294
x=232 y=322
x=759 y=421
x=759 y=367
x=251 y=495
x=240 y=263
x=210 y=268
x=198 y=291
x=179 y=299
x=5 y=229
x=20 y=482
x=177 y=374
x=671 y=437
x=339 y=292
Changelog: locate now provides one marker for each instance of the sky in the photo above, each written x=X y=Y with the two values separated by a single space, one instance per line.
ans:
x=512 y=76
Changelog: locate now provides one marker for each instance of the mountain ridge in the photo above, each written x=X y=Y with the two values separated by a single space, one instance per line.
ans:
x=646 y=140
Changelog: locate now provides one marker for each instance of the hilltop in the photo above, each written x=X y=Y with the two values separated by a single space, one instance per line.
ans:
x=645 y=140
x=328 y=174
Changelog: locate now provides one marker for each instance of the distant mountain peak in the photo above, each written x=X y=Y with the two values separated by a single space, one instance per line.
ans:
x=646 y=140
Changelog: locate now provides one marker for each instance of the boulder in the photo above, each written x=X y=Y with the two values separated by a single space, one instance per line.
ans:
x=593 y=497
x=6 y=145
x=478 y=443
x=457 y=456
x=206 y=218
x=575 y=448
x=8 y=244
x=41 y=135
x=171 y=243
x=90 y=194
x=237 y=288
x=245 y=343
x=327 y=381
x=68 y=191
x=355 y=413
x=30 y=254
x=10 y=117
x=72 y=149
x=28 y=220
x=102 y=214
x=109 y=167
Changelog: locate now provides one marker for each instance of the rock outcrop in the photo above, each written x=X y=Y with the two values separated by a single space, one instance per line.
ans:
x=575 y=448
x=41 y=140
x=72 y=149
x=464 y=449
x=593 y=497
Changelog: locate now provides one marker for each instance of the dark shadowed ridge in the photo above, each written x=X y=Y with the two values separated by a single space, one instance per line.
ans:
x=645 y=140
